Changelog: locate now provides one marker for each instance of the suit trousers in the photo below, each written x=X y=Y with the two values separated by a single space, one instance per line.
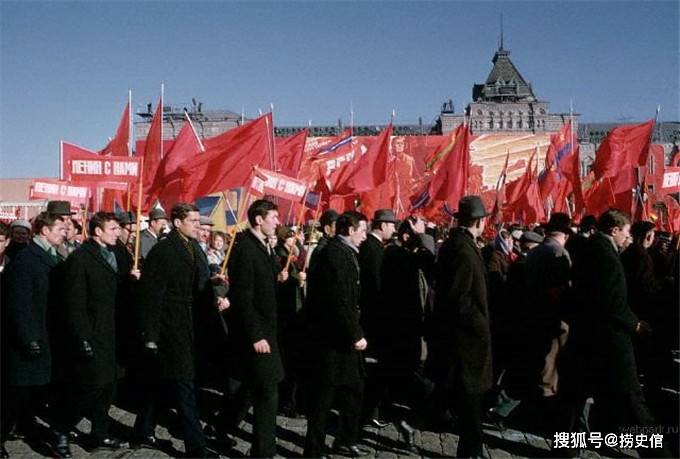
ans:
x=469 y=408
x=182 y=396
x=19 y=405
x=626 y=413
x=89 y=400
x=348 y=399
x=264 y=398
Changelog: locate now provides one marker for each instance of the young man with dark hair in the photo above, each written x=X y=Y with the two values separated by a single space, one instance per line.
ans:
x=461 y=341
x=26 y=355
x=327 y=222
x=88 y=366
x=336 y=340
x=166 y=295
x=253 y=276
x=608 y=327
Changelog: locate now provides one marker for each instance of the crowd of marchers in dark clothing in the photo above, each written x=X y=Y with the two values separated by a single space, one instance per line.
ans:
x=386 y=321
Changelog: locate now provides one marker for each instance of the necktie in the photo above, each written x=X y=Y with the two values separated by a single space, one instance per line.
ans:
x=110 y=259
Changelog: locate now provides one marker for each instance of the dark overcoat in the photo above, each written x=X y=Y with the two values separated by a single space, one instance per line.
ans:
x=371 y=253
x=166 y=295
x=401 y=313
x=127 y=324
x=461 y=346
x=90 y=310
x=209 y=324
x=252 y=293
x=31 y=286
x=333 y=315
x=606 y=323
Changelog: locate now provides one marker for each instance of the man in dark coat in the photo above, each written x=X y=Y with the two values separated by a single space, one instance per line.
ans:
x=166 y=295
x=406 y=274
x=461 y=342
x=126 y=302
x=371 y=253
x=211 y=332
x=150 y=236
x=253 y=275
x=607 y=327
x=336 y=340
x=327 y=222
x=88 y=367
x=26 y=352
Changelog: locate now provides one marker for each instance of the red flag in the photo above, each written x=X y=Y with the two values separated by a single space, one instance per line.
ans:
x=525 y=197
x=153 y=153
x=119 y=145
x=289 y=152
x=370 y=170
x=624 y=146
x=499 y=200
x=519 y=186
x=615 y=192
x=167 y=184
x=450 y=182
x=228 y=160
x=562 y=173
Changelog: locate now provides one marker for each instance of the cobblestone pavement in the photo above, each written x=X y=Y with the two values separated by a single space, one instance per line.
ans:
x=290 y=438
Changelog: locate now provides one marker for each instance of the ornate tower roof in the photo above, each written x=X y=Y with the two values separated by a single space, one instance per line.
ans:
x=504 y=83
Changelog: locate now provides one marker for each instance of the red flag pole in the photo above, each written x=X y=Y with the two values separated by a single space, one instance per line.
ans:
x=309 y=243
x=241 y=211
x=130 y=124
x=139 y=213
x=61 y=160
x=83 y=216
x=223 y=269
x=611 y=189
x=299 y=220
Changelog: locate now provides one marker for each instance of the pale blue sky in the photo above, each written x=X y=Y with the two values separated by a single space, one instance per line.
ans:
x=66 y=66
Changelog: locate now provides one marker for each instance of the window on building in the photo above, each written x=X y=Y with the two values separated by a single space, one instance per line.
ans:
x=651 y=164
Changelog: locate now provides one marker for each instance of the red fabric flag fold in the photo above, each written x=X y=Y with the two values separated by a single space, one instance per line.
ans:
x=368 y=171
x=624 y=146
x=228 y=160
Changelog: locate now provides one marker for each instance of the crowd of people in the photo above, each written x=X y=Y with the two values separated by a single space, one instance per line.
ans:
x=387 y=321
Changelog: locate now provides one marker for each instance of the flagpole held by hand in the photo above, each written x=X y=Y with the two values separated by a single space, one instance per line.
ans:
x=139 y=213
x=299 y=224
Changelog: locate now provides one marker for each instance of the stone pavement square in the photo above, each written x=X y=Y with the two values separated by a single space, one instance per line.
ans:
x=382 y=443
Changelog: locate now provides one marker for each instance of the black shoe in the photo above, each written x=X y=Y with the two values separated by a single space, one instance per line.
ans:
x=60 y=447
x=111 y=443
x=223 y=439
x=3 y=452
x=350 y=451
x=376 y=423
x=75 y=435
x=151 y=442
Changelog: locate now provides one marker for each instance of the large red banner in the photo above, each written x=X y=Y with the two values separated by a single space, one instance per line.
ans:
x=80 y=165
x=671 y=180
x=268 y=182
x=59 y=190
